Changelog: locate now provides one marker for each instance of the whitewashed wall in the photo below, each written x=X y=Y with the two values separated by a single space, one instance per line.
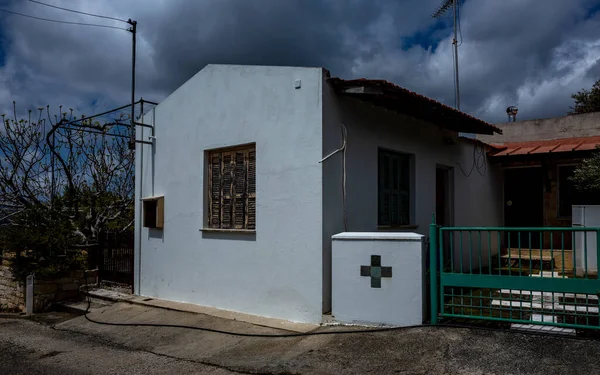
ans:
x=278 y=271
x=398 y=300
x=477 y=198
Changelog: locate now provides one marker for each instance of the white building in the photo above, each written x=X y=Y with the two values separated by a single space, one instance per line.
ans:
x=239 y=207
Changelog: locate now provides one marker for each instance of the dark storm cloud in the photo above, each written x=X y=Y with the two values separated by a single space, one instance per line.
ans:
x=532 y=53
x=271 y=32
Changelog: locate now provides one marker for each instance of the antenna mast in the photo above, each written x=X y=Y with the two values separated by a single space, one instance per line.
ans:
x=438 y=14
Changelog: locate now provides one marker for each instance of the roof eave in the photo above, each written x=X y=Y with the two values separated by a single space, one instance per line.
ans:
x=364 y=92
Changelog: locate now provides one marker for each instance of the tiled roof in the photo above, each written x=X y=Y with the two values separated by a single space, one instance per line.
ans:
x=394 y=97
x=493 y=147
x=548 y=146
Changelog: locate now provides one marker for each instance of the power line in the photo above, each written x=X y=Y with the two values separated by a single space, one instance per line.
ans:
x=58 y=21
x=77 y=11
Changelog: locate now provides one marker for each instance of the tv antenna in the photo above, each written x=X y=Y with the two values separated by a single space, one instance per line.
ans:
x=446 y=5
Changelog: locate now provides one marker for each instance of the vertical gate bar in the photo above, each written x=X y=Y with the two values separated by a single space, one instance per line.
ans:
x=433 y=271
x=520 y=261
x=489 y=252
x=562 y=245
x=551 y=257
x=587 y=309
x=574 y=253
x=553 y=304
x=453 y=302
x=450 y=233
x=442 y=260
x=462 y=260
x=530 y=262
x=520 y=274
x=470 y=252
x=509 y=258
x=480 y=303
x=541 y=246
x=499 y=250
x=471 y=300
x=440 y=269
x=479 y=252
x=462 y=301
x=585 y=256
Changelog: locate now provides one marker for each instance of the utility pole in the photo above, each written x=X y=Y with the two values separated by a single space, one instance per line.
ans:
x=133 y=31
x=455 y=43
x=438 y=14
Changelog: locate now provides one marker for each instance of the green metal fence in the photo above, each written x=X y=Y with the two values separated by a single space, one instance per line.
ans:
x=543 y=276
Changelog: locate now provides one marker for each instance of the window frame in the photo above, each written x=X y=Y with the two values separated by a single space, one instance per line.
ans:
x=410 y=187
x=247 y=195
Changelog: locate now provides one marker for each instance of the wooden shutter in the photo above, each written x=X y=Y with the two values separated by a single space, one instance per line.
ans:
x=226 y=191
x=251 y=195
x=214 y=178
x=239 y=189
x=232 y=189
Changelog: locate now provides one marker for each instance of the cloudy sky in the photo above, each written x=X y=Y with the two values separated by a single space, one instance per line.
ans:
x=531 y=53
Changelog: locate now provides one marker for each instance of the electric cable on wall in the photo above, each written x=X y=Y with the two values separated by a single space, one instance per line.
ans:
x=312 y=333
x=479 y=161
x=343 y=150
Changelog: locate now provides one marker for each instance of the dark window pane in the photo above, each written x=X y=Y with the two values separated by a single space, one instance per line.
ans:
x=394 y=188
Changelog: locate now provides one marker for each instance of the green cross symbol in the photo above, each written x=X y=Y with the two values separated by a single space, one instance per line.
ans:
x=375 y=271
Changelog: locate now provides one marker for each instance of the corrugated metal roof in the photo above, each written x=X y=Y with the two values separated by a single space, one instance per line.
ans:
x=394 y=97
x=548 y=146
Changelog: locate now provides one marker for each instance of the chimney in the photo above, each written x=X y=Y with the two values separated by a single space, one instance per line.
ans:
x=512 y=113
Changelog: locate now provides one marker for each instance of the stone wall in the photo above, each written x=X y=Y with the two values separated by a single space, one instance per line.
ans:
x=12 y=293
x=46 y=291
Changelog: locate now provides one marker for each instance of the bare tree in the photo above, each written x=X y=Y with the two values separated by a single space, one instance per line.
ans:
x=84 y=165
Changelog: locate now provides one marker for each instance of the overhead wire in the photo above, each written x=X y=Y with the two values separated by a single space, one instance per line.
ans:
x=60 y=21
x=79 y=12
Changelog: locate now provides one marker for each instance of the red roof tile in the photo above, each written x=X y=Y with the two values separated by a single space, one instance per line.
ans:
x=549 y=146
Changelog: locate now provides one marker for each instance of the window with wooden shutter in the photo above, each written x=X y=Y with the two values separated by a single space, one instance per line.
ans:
x=394 y=195
x=232 y=188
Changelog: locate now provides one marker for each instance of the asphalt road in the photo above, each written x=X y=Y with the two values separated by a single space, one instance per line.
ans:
x=77 y=346
x=32 y=348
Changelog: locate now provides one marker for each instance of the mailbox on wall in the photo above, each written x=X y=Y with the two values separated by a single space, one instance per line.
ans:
x=154 y=212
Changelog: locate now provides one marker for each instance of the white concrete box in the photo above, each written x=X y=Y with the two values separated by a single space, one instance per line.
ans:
x=377 y=278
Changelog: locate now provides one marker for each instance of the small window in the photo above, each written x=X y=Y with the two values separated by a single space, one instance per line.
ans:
x=232 y=188
x=394 y=198
x=153 y=212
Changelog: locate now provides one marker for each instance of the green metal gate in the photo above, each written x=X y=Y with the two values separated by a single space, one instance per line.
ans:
x=524 y=276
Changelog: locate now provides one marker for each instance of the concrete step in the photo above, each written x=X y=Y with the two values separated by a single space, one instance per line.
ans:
x=545 y=307
x=551 y=274
x=523 y=256
x=79 y=307
x=537 y=328
x=562 y=298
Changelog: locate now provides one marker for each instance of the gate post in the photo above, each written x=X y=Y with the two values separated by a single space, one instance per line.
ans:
x=433 y=270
